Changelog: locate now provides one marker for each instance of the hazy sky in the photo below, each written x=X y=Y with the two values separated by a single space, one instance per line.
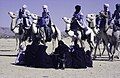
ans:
x=57 y=8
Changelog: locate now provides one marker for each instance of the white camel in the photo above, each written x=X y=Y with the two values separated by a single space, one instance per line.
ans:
x=71 y=33
x=56 y=34
x=16 y=30
x=116 y=35
x=91 y=19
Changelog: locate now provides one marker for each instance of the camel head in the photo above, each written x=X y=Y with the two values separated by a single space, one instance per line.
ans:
x=67 y=20
x=34 y=16
x=12 y=15
x=67 y=30
x=90 y=17
x=14 y=28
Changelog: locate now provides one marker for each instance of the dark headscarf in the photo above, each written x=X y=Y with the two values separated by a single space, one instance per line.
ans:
x=77 y=8
x=118 y=7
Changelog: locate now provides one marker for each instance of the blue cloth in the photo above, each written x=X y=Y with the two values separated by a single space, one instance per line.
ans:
x=45 y=15
x=40 y=22
x=43 y=22
x=45 y=18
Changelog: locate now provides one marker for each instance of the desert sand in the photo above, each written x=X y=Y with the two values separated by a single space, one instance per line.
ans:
x=102 y=68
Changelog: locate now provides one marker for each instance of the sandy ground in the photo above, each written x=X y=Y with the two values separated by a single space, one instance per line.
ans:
x=102 y=68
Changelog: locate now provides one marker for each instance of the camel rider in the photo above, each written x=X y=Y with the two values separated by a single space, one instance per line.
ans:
x=25 y=17
x=24 y=20
x=116 y=27
x=105 y=18
x=77 y=20
x=116 y=17
x=46 y=22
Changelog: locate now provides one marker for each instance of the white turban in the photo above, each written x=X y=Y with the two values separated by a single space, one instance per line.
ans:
x=45 y=7
x=24 y=6
x=106 y=5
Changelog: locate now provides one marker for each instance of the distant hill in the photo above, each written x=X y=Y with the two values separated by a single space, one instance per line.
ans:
x=5 y=32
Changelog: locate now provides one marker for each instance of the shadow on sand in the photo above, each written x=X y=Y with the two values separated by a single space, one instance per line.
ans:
x=8 y=55
x=104 y=58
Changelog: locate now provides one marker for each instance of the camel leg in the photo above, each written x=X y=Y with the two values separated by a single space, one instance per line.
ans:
x=98 y=45
x=109 y=51
x=94 y=55
x=103 y=49
x=91 y=42
x=20 y=43
x=117 y=46
x=17 y=41
x=99 y=50
x=92 y=39
x=116 y=34
x=106 y=41
x=79 y=38
x=53 y=45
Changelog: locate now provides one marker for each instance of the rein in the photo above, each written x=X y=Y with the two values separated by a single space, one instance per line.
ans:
x=67 y=31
